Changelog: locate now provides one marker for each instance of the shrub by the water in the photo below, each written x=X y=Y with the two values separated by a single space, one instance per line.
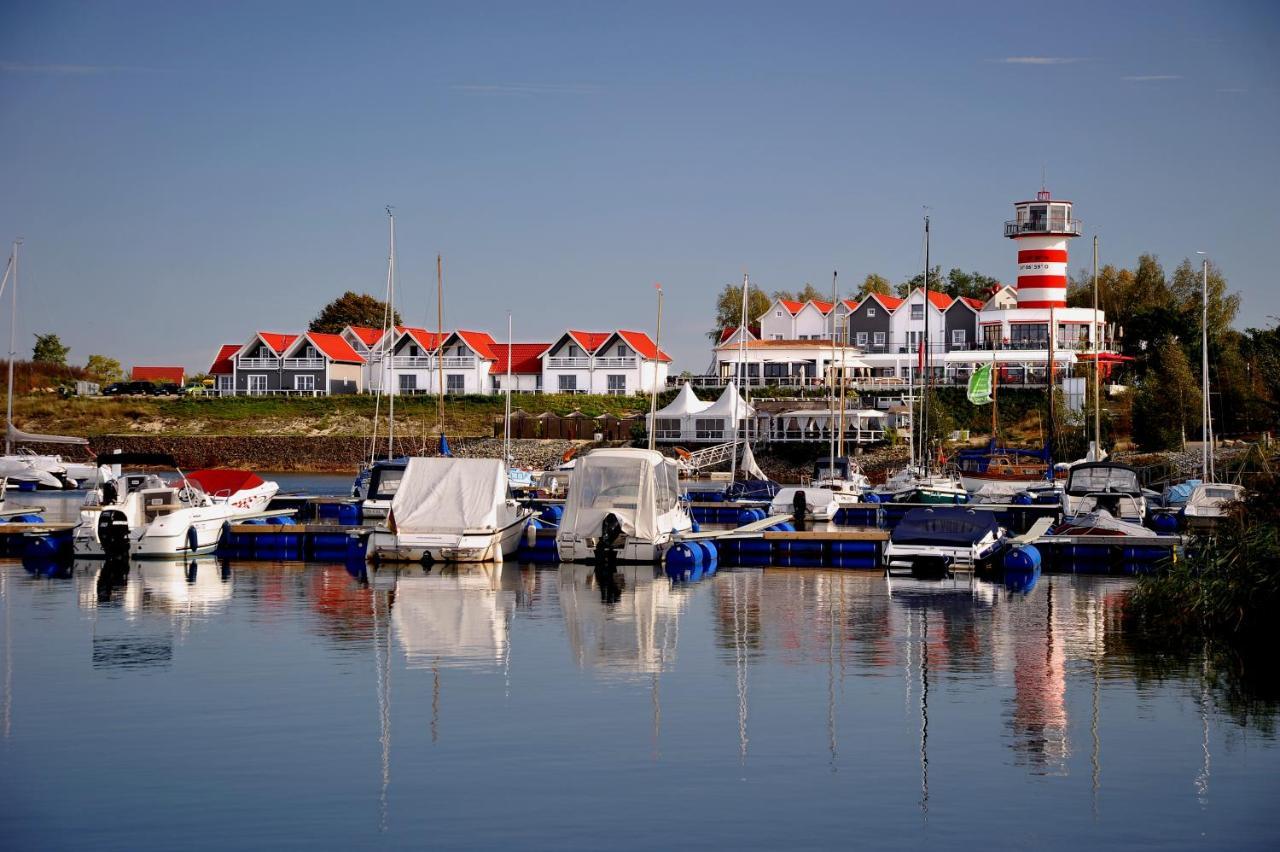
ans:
x=1228 y=584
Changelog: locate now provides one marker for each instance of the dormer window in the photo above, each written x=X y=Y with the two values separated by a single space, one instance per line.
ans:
x=574 y=352
x=871 y=312
x=414 y=352
x=622 y=351
x=462 y=350
x=917 y=312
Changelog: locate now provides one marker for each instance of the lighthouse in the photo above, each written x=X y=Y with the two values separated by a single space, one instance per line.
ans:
x=1041 y=228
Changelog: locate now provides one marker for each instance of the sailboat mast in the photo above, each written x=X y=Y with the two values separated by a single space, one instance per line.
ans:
x=924 y=401
x=506 y=417
x=1205 y=406
x=1097 y=359
x=653 y=389
x=742 y=349
x=13 y=344
x=439 y=344
x=831 y=387
x=1049 y=380
x=389 y=338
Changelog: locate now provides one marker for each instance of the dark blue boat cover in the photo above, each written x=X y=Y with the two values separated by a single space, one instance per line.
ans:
x=944 y=525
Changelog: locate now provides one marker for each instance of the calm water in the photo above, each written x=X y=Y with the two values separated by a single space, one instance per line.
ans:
x=292 y=706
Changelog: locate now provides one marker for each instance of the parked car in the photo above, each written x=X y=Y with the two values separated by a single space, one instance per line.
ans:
x=168 y=389
x=129 y=389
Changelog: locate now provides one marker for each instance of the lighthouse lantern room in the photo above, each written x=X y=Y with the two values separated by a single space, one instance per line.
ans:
x=1041 y=229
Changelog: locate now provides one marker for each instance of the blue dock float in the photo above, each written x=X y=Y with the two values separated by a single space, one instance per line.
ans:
x=281 y=539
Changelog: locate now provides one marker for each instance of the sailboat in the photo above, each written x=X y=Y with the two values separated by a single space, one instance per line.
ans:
x=920 y=481
x=25 y=469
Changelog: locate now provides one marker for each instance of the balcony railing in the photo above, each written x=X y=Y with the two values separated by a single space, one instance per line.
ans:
x=258 y=363
x=616 y=362
x=1050 y=225
x=304 y=363
x=464 y=361
x=414 y=362
x=568 y=363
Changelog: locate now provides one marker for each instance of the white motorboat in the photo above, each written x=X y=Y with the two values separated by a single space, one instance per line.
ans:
x=1208 y=501
x=376 y=486
x=29 y=471
x=1104 y=487
x=450 y=510
x=624 y=504
x=914 y=484
x=144 y=516
x=939 y=538
x=842 y=476
x=820 y=502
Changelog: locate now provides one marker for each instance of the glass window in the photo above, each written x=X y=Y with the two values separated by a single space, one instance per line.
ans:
x=709 y=428
x=917 y=312
x=871 y=312
x=568 y=384
x=1029 y=335
x=957 y=337
x=257 y=383
x=408 y=382
x=304 y=383
x=878 y=337
x=991 y=336
x=862 y=338
x=617 y=385
x=455 y=383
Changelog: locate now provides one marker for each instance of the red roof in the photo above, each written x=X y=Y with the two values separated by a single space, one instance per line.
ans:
x=851 y=304
x=335 y=347
x=891 y=303
x=479 y=341
x=277 y=342
x=590 y=340
x=368 y=336
x=643 y=344
x=222 y=361
x=825 y=307
x=525 y=358
x=174 y=375
x=792 y=305
x=429 y=340
x=941 y=301
x=725 y=334
x=976 y=304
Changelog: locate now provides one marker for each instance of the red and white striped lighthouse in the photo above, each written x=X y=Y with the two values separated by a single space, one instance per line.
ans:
x=1041 y=229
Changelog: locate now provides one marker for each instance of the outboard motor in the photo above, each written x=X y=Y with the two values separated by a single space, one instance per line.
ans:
x=799 y=505
x=113 y=532
x=606 y=545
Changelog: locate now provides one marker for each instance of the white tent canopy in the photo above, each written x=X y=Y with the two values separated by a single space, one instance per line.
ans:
x=729 y=405
x=449 y=495
x=685 y=403
x=639 y=487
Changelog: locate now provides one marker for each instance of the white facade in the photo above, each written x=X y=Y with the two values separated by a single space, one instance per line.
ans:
x=906 y=325
x=582 y=363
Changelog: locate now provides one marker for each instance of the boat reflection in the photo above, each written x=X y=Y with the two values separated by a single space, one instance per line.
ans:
x=458 y=616
x=623 y=621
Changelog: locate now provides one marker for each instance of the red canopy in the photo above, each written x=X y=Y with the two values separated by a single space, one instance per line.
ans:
x=225 y=480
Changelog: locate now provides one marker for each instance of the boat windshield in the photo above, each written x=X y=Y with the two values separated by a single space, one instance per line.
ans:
x=385 y=482
x=1220 y=493
x=1097 y=480
x=824 y=469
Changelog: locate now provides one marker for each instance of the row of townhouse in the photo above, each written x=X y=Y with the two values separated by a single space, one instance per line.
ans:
x=882 y=336
x=408 y=360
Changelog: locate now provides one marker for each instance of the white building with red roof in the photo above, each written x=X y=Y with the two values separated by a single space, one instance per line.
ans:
x=604 y=362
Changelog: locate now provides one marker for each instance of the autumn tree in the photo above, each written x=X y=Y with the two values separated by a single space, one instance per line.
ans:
x=104 y=369
x=804 y=294
x=1166 y=407
x=873 y=283
x=729 y=308
x=49 y=350
x=352 y=309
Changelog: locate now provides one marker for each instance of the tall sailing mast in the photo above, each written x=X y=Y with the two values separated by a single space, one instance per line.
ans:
x=742 y=349
x=924 y=397
x=1097 y=359
x=440 y=345
x=12 y=269
x=388 y=337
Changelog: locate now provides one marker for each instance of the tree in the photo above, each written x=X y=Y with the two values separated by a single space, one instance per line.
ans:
x=1166 y=408
x=49 y=350
x=104 y=369
x=806 y=294
x=352 y=309
x=873 y=283
x=1185 y=292
x=975 y=285
x=729 y=308
x=917 y=282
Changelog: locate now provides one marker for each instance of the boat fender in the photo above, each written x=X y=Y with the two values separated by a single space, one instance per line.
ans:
x=193 y=539
x=1165 y=523
x=1022 y=559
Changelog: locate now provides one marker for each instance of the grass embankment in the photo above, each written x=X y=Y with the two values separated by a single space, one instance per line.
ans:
x=304 y=416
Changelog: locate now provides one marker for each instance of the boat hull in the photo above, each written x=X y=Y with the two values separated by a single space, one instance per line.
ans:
x=386 y=546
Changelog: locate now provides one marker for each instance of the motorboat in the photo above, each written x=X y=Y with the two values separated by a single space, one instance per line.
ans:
x=142 y=515
x=1099 y=523
x=376 y=485
x=937 y=539
x=915 y=484
x=820 y=503
x=624 y=504
x=842 y=475
x=450 y=510
x=1208 y=500
x=1104 y=487
x=994 y=468
x=28 y=471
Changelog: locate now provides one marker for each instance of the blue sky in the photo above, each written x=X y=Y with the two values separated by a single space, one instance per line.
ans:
x=185 y=173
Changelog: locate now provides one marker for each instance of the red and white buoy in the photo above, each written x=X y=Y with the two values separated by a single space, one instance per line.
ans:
x=1041 y=229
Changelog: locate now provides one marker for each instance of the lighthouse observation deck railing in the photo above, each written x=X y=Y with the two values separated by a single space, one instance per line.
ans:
x=1049 y=225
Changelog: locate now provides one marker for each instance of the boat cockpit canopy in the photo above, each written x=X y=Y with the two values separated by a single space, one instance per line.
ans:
x=1103 y=478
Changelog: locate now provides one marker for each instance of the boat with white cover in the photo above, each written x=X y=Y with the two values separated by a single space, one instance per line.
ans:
x=144 y=516
x=820 y=503
x=1104 y=487
x=625 y=501
x=1208 y=501
x=450 y=510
